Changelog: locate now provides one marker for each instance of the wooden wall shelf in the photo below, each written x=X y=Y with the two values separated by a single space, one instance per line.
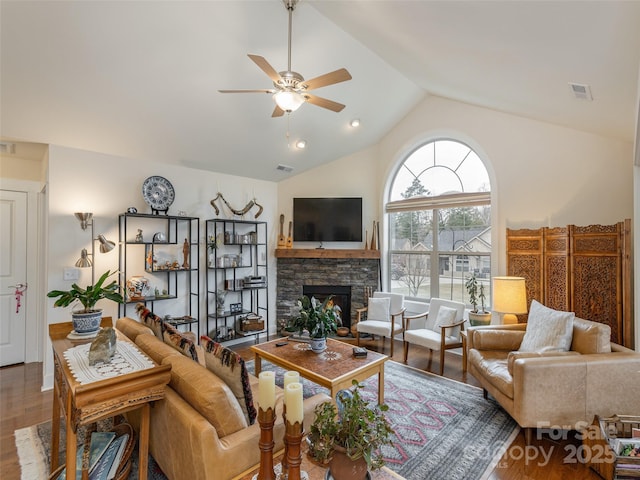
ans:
x=325 y=253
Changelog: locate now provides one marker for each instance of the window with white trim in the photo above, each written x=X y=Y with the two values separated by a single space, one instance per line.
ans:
x=439 y=212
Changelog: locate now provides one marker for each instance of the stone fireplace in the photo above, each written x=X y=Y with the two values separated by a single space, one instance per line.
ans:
x=321 y=271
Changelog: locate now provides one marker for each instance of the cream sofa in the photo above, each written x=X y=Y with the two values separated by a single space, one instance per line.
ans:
x=556 y=389
x=198 y=431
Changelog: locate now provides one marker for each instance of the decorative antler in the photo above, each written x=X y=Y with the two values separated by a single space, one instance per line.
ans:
x=247 y=207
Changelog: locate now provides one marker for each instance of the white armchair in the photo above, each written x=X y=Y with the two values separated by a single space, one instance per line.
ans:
x=441 y=331
x=384 y=316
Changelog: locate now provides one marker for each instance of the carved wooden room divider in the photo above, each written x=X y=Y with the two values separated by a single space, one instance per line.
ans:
x=586 y=270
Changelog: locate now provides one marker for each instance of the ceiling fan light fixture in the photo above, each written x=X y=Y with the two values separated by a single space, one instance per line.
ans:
x=288 y=101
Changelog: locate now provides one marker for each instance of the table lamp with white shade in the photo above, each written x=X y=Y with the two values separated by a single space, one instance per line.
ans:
x=509 y=298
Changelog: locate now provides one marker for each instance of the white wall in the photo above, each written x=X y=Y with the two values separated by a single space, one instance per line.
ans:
x=544 y=174
x=81 y=181
x=353 y=176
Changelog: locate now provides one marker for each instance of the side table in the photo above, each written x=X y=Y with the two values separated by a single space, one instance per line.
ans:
x=83 y=404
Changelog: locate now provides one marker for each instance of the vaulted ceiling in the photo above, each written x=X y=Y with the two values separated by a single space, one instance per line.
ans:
x=141 y=79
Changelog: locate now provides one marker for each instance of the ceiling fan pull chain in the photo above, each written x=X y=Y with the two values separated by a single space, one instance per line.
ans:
x=288 y=139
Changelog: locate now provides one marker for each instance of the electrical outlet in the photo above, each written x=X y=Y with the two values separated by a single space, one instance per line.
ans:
x=71 y=274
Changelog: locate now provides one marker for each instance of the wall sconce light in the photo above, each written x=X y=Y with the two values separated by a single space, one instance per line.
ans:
x=87 y=259
x=509 y=297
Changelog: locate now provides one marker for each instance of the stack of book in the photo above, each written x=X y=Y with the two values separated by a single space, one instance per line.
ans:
x=105 y=455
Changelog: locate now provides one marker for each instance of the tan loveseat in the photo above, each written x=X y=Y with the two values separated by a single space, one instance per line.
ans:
x=198 y=432
x=556 y=389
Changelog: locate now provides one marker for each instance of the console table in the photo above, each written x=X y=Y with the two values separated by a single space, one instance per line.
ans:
x=83 y=404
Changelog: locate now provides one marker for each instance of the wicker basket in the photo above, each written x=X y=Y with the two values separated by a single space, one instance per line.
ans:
x=125 y=463
x=599 y=453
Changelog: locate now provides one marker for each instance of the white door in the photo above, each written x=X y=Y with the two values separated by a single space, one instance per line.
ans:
x=13 y=274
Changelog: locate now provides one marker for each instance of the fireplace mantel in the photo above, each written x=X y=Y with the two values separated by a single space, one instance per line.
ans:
x=325 y=253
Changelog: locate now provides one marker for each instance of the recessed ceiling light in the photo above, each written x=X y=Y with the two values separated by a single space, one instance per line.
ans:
x=301 y=144
x=355 y=122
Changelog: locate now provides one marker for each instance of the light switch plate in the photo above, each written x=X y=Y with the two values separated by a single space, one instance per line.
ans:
x=71 y=274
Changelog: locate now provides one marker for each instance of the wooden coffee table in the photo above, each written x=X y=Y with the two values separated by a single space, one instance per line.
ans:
x=335 y=368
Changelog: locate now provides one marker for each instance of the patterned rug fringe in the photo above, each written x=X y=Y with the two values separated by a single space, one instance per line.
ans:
x=33 y=460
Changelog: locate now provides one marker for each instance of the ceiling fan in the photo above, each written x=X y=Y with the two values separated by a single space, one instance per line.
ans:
x=290 y=88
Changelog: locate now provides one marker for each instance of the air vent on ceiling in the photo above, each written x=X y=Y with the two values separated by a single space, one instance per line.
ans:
x=284 y=168
x=581 y=91
x=7 y=147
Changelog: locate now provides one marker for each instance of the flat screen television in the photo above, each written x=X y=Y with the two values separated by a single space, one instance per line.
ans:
x=327 y=219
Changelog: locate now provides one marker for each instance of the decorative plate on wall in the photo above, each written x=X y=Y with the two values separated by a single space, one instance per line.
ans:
x=158 y=193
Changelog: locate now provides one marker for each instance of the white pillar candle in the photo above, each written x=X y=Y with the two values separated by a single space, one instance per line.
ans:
x=267 y=390
x=293 y=401
x=291 y=377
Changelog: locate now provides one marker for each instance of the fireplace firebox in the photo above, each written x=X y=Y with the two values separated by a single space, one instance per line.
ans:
x=341 y=297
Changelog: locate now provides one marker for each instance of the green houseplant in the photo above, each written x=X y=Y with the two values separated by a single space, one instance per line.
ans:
x=352 y=432
x=319 y=319
x=87 y=319
x=476 y=295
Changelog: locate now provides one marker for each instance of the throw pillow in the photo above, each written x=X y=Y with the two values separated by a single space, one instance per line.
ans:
x=378 y=309
x=230 y=367
x=547 y=330
x=172 y=337
x=446 y=316
x=150 y=319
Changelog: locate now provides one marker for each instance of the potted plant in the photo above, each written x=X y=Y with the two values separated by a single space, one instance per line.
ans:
x=87 y=320
x=352 y=432
x=319 y=319
x=476 y=294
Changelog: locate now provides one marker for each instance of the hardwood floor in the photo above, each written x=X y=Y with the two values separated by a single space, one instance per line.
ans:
x=23 y=404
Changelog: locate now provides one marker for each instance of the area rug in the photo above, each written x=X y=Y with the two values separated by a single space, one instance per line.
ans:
x=443 y=429
x=34 y=451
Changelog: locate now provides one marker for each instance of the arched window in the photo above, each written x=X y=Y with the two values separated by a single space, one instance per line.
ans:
x=439 y=210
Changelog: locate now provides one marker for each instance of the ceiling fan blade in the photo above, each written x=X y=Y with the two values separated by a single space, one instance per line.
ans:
x=248 y=91
x=341 y=75
x=323 y=102
x=277 y=112
x=266 y=68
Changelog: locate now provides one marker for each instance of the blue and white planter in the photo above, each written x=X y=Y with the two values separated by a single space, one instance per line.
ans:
x=318 y=345
x=86 y=323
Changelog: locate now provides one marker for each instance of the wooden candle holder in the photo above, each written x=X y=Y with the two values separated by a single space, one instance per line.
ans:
x=284 y=463
x=293 y=438
x=266 y=419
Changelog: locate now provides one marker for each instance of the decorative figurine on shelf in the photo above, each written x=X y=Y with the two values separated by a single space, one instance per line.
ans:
x=139 y=237
x=221 y=295
x=186 y=248
x=150 y=260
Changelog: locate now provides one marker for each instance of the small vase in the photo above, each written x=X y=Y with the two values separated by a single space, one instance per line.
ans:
x=318 y=345
x=343 y=468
